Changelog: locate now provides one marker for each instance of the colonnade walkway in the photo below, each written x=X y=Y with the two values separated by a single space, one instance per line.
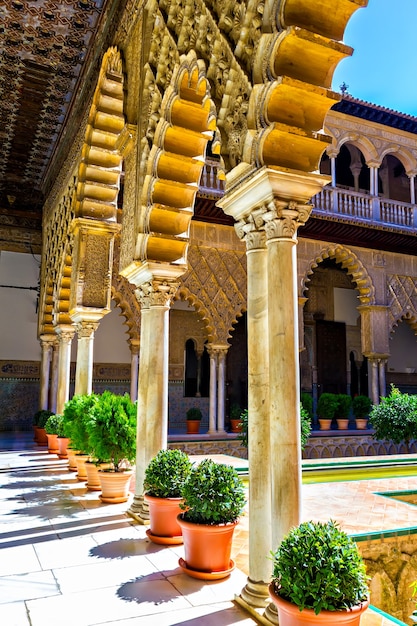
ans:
x=67 y=558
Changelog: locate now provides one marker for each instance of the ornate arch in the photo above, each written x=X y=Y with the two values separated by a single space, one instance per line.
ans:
x=215 y=284
x=364 y=144
x=405 y=156
x=107 y=139
x=293 y=69
x=101 y=157
x=349 y=262
x=186 y=124
x=402 y=300
x=123 y=295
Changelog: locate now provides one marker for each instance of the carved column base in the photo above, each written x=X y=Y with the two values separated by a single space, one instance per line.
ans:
x=271 y=614
x=255 y=594
x=258 y=614
x=139 y=510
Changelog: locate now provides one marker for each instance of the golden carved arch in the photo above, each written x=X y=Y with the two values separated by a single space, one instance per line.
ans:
x=293 y=70
x=350 y=262
x=186 y=124
x=101 y=157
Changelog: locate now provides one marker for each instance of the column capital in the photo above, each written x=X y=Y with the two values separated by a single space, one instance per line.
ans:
x=268 y=185
x=220 y=350
x=156 y=293
x=282 y=221
x=86 y=329
x=134 y=346
x=65 y=333
x=250 y=229
x=47 y=341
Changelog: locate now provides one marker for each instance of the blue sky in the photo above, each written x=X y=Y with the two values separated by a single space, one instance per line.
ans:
x=383 y=67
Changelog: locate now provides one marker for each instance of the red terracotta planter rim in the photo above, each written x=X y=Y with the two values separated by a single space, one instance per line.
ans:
x=358 y=608
x=149 y=498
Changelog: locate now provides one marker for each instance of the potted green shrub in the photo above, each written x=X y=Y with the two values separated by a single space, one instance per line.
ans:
x=307 y=403
x=235 y=420
x=361 y=406
x=344 y=404
x=318 y=575
x=63 y=438
x=164 y=481
x=112 y=439
x=76 y=422
x=193 y=416
x=39 y=420
x=326 y=409
x=52 y=426
x=214 y=498
x=395 y=418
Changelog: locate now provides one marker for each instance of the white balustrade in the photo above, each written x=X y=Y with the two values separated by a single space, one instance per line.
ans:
x=364 y=207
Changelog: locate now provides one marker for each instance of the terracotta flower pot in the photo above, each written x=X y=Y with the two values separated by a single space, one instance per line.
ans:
x=163 y=513
x=80 y=460
x=114 y=486
x=235 y=425
x=325 y=424
x=63 y=443
x=53 y=446
x=41 y=438
x=207 y=549
x=93 y=477
x=361 y=423
x=72 y=465
x=342 y=423
x=290 y=615
x=193 y=427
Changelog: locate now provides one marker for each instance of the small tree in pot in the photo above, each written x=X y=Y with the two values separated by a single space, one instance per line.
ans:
x=164 y=481
x=77 y=423
x=214 y=498
x=326 y=409
x=395 y=418
x=39 y=420
x=52 y=427
x=361 y=406
x=193 y=416
x=318 y=570
x=112 y=436
x=344 y=404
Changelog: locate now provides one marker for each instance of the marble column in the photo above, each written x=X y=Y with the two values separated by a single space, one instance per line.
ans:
x=138 y=509
x=155 y=298
x=213 y=390
x=284 y=388
x=47 y=342
x=373 y=364
x=277 y=202
x=412 y=178
x=382 y=379
x=199 y=354
x=53 y=391
x=255 y=593
x=84 y=365
x=134 y=368
x=221 y=389
x=65 y=336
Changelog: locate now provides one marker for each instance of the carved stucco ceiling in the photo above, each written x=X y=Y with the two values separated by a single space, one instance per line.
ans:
x=47 y=48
